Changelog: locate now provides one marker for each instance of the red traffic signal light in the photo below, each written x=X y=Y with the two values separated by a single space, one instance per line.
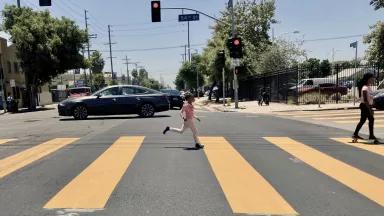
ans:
x=235 y=47
x=236 y=42
x=155 y=9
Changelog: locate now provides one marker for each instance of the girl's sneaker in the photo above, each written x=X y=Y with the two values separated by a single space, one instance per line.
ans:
x=166 y=130
x=199 y=146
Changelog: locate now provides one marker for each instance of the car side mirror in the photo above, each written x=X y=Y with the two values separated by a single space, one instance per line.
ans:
x=98 y=96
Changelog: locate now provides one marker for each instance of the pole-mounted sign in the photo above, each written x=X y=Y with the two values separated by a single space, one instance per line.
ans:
x=189 y=17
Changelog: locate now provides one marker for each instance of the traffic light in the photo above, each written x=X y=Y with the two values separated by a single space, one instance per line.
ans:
x=156 y=14
x=221 y=58
x=235 y=47
x=44 y=3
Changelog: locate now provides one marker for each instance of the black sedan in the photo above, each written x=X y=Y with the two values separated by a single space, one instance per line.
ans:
x=116 y=100
x=175 y=97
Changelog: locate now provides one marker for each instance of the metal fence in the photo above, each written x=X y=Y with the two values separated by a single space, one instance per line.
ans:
x=301 y=85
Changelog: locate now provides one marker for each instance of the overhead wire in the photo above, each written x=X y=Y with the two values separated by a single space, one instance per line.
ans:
x=334 y=38
x=154 y=48
x=148 y=28
x=147 y=35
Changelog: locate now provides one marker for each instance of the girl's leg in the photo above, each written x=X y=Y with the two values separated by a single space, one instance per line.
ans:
x=179 y=130
x=191 y=125
x=363 y=118
x=371 y=120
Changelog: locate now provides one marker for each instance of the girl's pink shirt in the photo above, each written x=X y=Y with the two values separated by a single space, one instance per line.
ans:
x=187 y=111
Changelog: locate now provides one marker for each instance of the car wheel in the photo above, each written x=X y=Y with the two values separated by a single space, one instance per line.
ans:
x=80 y=112
x=147 y=110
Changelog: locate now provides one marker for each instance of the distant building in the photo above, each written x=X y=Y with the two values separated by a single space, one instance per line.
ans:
x=12 y=78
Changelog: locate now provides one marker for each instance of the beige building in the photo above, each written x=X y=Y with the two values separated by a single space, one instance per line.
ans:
x=13 y=81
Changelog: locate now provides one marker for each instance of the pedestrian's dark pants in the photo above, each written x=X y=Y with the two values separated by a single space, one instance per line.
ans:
x=366 y=113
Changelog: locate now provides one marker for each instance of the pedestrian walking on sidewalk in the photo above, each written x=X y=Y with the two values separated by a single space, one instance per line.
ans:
x=366 y=98
x=188 y=115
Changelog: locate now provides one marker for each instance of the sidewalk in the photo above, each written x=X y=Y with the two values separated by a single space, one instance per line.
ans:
x=253 y=107
x=38 y=108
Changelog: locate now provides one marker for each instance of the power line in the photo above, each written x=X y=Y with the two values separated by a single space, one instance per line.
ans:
x=149 y=35
x=155 y=48
x=149 y=28
x=144 y=23
x=334 y=38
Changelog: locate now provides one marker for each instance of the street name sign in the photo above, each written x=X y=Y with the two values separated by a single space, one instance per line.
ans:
x=188 y=17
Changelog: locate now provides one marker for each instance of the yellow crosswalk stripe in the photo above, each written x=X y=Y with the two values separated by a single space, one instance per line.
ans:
x=24 y=158
x=92 y=188
x=356 y=121
x=368 y=185
x=344 y=117
x=377 y=149
x=247 y=192
x=3 y=141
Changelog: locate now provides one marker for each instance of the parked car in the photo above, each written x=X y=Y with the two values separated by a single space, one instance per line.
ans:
x=348 y=84
x=328 y=88
x=174 y=97
x=1 y=103
x=78 y=92
x=116 y=100
x=312 y=85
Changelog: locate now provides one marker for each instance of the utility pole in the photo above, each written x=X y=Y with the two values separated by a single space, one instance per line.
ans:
x=85 y=72
x=189 y=45
x=355 y=45
x=127 y=63
x=235 y=84
x=88 y=38
x=185 y=52
x=110 y=51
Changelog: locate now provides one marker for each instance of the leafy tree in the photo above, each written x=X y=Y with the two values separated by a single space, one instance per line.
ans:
x=135 y=77
x=375 y=39
x=98 y=81
x=281 y=54
x=311 y=67
x=325 y=68
x=113 y=82
x=46 y=46
x=97 y=62
x=188 y=72
x=179 y=82
x=253 y=24
x=143 y=76
x=377 y=4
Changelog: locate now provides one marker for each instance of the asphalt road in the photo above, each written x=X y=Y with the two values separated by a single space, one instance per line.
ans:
x=252 y=165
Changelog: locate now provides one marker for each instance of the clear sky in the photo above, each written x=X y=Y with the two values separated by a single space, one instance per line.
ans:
x=132 y=28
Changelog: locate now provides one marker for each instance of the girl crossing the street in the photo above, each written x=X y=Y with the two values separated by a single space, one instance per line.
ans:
x=366 y=98
x=188 y=115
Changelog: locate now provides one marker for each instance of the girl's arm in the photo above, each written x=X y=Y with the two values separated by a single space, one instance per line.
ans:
x=365 y=98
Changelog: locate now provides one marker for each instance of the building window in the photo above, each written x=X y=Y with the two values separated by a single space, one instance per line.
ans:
x=16 y=67
x=9 y=67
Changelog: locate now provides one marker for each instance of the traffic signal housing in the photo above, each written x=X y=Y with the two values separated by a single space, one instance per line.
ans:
x=156 y=11
x=235 y=46
x=221 y=58
x=45 y=3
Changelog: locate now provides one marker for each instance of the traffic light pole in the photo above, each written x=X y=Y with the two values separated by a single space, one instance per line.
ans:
x=223 y=86
x=235 y=84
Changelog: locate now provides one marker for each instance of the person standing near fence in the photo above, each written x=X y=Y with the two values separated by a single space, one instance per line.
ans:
x=366 y=98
